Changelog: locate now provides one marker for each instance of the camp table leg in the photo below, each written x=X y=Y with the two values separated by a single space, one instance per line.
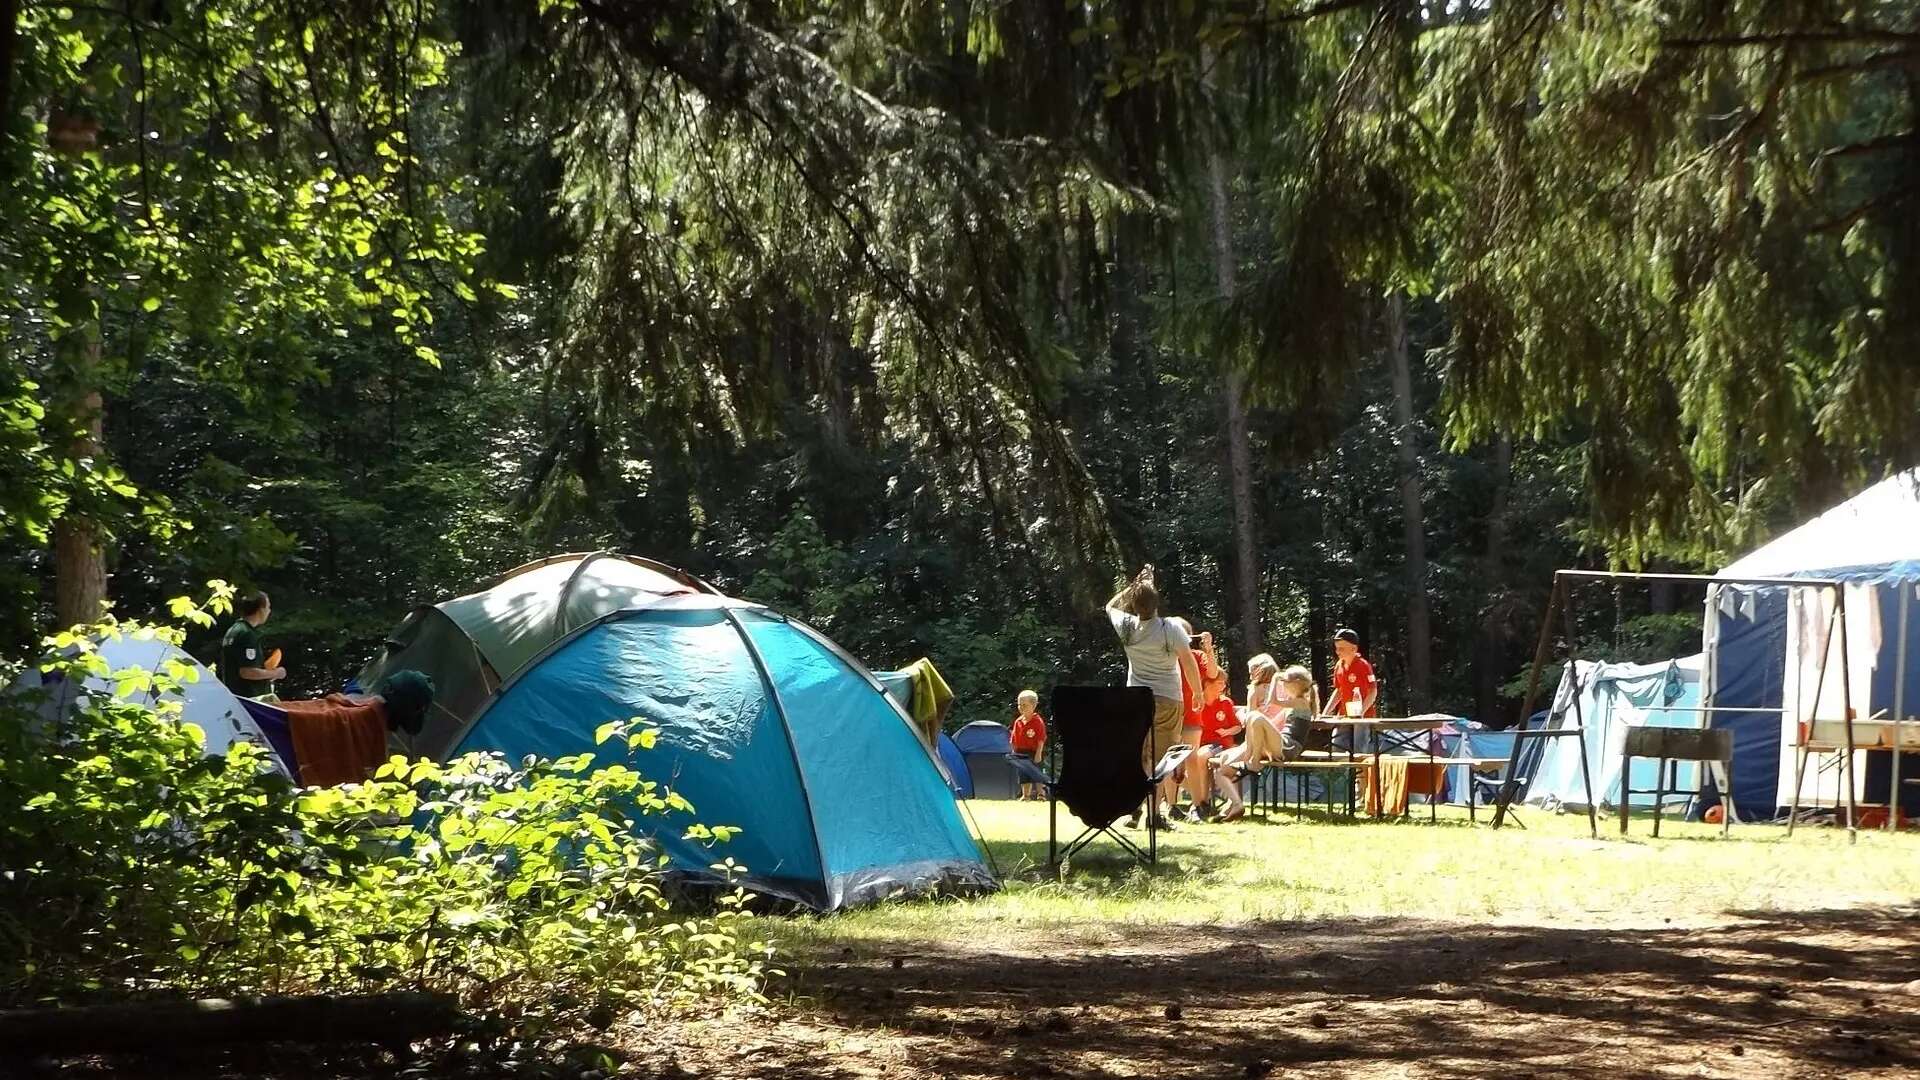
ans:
x=1799 y=777
x=1626 y=793
x=1433 y=785
x=1379 y=786
x=1659 y=793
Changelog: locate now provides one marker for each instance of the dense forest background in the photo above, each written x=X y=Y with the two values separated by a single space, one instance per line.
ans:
x=927 y=322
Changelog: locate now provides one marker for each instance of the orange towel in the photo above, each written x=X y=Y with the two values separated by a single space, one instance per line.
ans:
x=1401 y=776
x=336 y=739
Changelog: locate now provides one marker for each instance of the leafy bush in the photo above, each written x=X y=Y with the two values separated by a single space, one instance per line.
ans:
x=136 y=863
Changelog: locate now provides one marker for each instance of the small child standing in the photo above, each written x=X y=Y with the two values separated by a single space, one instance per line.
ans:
x=1029 y=737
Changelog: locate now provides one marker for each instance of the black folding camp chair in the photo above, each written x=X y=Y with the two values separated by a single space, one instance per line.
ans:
x=1100 y=730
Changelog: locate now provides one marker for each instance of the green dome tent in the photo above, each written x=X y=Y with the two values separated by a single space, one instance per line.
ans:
x=471 y=645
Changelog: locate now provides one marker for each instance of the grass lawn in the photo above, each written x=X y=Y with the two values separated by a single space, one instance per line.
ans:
x=1356 y=949
x=1318 y=868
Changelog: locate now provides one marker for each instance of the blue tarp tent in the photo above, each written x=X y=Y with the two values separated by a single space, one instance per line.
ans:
x=765 y=725
x=985 y=746
x=1466 y=738
x=1764 y=643
x=1611 y=699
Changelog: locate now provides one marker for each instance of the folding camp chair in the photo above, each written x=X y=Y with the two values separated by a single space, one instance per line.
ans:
x=1099 y=730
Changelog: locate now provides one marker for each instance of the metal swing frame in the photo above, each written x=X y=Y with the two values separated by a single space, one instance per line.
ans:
x=1560 y=600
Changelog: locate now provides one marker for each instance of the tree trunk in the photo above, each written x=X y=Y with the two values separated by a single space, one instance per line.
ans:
x=1419 y=628
x=1244 y=594
x=79 y=564
x=1660 y=597
x=1486 y=659
x=9 y=30
x=142 y=1026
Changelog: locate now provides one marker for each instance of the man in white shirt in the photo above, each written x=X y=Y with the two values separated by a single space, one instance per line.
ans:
x=1158 y=658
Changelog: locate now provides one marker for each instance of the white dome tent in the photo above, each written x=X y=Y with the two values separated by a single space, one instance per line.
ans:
x=204 y=702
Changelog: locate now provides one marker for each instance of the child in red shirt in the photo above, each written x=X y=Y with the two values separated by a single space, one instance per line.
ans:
x=1211 y=726
x=1029 y=737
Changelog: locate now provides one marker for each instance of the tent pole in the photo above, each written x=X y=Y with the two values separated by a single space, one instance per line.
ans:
x=1846 y=713
x=1899 y=709
x=1507 y=778
x=1580 y=720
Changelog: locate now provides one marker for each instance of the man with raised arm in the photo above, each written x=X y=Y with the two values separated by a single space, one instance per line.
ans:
x=1158 y=658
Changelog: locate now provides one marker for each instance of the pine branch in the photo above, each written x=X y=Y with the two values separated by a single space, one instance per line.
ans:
x=1901 y=140
x=1896 y=59
x=1852 y=217
x=1854 y=35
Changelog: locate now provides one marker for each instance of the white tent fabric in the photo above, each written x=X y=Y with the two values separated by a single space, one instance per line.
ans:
x=1880 y=525
x=1813 y=633
x=535 y=605
x=205 y=702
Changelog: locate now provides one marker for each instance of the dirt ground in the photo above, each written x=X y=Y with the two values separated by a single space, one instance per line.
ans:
x=1770 y=996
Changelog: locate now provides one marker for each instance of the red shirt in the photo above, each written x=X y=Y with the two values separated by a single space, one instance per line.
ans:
x=1029 y=732
x=1215 y=719
x=1352 y=678
x=1209 y=672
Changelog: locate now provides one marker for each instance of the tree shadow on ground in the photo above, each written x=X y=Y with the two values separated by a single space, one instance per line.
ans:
x=1772 y=995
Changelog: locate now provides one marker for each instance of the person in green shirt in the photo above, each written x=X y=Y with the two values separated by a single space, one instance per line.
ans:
x=243 y=653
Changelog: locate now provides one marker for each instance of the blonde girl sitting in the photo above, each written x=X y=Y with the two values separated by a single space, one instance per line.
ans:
x=1278 y=718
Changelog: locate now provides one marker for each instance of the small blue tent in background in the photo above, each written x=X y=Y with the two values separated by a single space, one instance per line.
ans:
x=1872 y=543
x=986 y=747
x=765 y=725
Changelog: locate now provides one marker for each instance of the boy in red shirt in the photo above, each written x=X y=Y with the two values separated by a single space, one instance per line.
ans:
x=1029 y=737
x=1355 y=690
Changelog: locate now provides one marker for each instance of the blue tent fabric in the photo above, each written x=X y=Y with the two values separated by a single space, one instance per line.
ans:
x=764 y=726
x=1748 y=654
x=899 y=687
x=984 y=737
x=1871 y=541
x=1612 y=698
x=987 y=747
x=1747 y=632
x=1469 y=739
x=960 y=778
x=272 y=723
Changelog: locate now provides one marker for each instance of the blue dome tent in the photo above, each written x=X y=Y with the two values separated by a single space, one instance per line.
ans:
x=985 y=745
x=766 y=726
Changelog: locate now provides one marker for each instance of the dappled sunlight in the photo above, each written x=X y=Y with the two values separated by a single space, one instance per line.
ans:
x=1448 y=950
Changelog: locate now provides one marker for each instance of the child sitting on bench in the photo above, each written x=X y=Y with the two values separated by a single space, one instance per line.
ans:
x=1278 y=718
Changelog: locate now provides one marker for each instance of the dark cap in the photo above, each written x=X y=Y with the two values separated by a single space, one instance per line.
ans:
x=1346 y=635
